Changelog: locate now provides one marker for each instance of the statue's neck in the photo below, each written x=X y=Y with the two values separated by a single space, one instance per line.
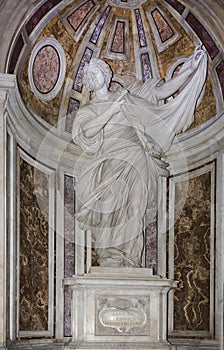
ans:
x=101 y=95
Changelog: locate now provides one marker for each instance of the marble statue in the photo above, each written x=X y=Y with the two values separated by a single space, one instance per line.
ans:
x=123 y=136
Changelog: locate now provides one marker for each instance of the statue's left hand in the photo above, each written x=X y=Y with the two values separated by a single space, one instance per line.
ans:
x=198 y=53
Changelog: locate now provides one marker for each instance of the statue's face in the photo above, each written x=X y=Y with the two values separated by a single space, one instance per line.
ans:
x=96 y=78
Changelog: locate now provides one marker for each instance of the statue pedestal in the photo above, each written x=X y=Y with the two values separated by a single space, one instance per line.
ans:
x=119 y=308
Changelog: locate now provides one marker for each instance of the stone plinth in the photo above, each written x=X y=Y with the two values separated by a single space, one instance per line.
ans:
x=119 y=308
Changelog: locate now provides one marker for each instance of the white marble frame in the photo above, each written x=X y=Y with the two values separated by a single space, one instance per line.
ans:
x=116 y=55
x=128 y=4
x=51 y=223
x=3 y=226
x=12 y=236
x=173 y=181
x=77 y=35
x=7 y=83
x=62 y=68
x=138 y=51
x=161 y=46
x=46 y=18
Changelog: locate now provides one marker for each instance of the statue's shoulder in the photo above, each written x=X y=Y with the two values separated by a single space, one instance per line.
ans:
x=137 y=86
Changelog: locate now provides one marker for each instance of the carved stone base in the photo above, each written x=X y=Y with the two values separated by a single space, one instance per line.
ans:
x=116 y=346
x=119 y=308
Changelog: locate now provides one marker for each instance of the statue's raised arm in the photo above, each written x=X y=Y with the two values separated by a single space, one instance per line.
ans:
x=177 y=114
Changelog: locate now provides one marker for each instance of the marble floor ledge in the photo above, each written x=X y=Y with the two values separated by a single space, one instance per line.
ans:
x=120 y=346
x=42 y=345
x=196 y=344
x=37 y=344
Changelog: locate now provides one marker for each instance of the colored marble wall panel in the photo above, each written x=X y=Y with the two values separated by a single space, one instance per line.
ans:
x=15 y=54
x=77 y=86
x=165 y=31
x=151 y=242
x=67 y=313
x=39 y=14
x=220 y=73
x=69 y=226
x=69 y=247
x=46 y=68
x=203 y=35
x=192 y=257
x=33 y=251
x=73 y=108
x=141 y=32
x=96 y=33
x=78 y=16
x=118 y=40
x=48 y=110
x=176 y=5
x=146 y=67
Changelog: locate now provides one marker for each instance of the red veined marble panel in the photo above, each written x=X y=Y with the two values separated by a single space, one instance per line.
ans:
x=15 y=55
x=165 y=31
x=99 y=26
x=77 y=86
x=40 y=13
x=141 y=32
x=73 y=107
x=46 y=69
x=203 y=35
x=69 y=247
x=146 y=66
x=176 y=5
x=118 y=40
x=77 y=17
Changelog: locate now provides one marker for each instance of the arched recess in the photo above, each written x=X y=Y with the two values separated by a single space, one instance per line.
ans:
x=52 y=153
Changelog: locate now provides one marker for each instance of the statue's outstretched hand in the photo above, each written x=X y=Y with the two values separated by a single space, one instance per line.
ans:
x=198 y=53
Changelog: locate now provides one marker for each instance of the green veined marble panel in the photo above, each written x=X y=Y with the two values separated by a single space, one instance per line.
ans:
x=33 y=249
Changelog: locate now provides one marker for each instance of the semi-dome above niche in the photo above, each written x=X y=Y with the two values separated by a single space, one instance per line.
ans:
x=140 y=39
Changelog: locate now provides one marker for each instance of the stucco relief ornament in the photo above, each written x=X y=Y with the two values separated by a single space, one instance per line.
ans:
x=124 y=136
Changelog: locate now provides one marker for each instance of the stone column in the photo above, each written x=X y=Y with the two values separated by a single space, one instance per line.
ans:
x=6 y=82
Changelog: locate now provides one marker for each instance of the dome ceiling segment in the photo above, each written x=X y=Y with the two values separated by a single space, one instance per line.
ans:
x=140 y=39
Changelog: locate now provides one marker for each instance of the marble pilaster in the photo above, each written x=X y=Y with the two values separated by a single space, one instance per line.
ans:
x=6 y=82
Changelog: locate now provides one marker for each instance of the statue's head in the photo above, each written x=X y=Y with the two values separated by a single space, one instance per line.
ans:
x=100 y=64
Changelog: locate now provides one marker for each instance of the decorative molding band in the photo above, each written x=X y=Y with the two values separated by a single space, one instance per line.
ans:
x=170 y=36
x=126 y=3
x=35 y=345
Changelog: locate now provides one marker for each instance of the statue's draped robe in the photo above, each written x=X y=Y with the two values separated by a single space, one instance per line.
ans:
x=121 y=163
